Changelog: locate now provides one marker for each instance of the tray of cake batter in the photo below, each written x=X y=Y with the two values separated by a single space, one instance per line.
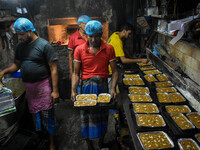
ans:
x=155 y=140
x=85 y=101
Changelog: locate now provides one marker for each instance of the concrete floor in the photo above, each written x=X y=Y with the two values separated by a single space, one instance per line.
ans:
x=68 y=134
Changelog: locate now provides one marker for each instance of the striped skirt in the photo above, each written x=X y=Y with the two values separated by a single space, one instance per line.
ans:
x=94 y=121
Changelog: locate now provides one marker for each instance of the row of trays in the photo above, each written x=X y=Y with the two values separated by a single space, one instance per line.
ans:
x=162 y=117
x=172 y=134
x=165 y=140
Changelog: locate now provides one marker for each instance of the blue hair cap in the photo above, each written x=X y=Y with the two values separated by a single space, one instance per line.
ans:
x=23 y=25
x=83 y=18
x=93 y=27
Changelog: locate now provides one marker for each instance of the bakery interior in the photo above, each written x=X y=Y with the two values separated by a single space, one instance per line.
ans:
x=159 y=101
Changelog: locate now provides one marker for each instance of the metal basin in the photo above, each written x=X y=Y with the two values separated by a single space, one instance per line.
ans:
x=9 y=122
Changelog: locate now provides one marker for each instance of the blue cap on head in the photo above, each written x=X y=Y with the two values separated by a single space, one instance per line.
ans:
x=83 y=18
x=93 y=27
x=23 y=25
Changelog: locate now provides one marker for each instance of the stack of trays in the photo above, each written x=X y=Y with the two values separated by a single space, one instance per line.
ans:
x=6 y=100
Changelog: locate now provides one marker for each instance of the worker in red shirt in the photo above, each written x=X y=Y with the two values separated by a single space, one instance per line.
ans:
x=92 y=59
x=78 y=38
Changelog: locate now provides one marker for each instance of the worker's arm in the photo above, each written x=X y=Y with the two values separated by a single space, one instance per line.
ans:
x=11 y=69
x=125 y=60
x=71 y=53
x=114 y=78
x=75 y=79
x=54 y=78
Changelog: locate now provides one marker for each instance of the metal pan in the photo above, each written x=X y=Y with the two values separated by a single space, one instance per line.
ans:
x=191 y=144
x=162 y=77
x=145 y=108
x=177 y=109
x=132 y=76
x=155 y=140
x=144 y=68
x=86 y=97
x=166 y=90
x=182 y=122
x=152 y=72
x=150 y=120
x=194 y=117
x=138 y=90
x=143 y=64
x=150 y=78
x=104 y=98
x=83 y=103
x=128 y=81
x=176 y=97
x=197 y=136
x=164 y=84
x=140 y=98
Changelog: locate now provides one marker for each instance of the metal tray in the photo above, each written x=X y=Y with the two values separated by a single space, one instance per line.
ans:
x=107 y=100
x=162 y=77
x=178 y=94
x=166 y=90
x=132 y=76
x=152 y=72
x=144 y=68
x=150 y=78
x=86 y=97
x=83 y=103
x=140 y=96
x=150 y=126
x=110 y=105
x=164 y=84
x=128 y=81
x=178 y=106
x=196 y=136
x=183 y=139
x=138 y=82
x=166 y=95
x=142 y=64
x=6 y=104
x=5 y=96
x=155 y=141
x=138 y=90
x=193 y=127
x=156 y=110
x=198 y=113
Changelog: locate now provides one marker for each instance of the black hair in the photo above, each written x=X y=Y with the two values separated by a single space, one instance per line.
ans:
x=126 y=26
